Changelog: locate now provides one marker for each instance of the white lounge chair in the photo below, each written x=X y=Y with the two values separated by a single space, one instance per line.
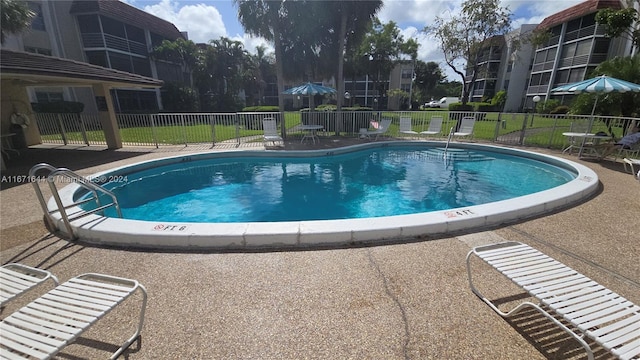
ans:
x=466 y=127
x=405 y=126
x=270 y=128
x=49 y=323
x=381 y=129
x=591 y=309
x=631 y=163
x=16 y=279
x=435 y=126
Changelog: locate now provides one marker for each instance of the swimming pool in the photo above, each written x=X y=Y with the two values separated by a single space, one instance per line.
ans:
x=390 y=196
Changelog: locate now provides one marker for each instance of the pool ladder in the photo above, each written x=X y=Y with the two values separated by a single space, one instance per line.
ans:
x=448 y=141
x=70 y=176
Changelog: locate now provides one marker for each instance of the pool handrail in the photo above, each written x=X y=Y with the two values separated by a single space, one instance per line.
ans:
x=60 y=207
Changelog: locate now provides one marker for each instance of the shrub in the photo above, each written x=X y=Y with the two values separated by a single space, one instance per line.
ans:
x=499 y=100
x=58 y=107
x=485 y=107
x=562 y=109
x=460 y=107
x=546 y=106
x=263 y=108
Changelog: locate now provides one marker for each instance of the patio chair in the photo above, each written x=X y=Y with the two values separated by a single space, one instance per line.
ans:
x=379 y=129
x=632 y=153
x=586 y=308
x=271 y=135
x=16 y=279
x=49 y=323
x=405 y=126
x=466 y=127
x=435 y=126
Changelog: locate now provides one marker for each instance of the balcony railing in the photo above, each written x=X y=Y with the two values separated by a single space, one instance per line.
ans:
x=98 y=40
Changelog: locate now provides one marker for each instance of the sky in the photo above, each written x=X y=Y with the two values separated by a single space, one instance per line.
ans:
x=205 y=20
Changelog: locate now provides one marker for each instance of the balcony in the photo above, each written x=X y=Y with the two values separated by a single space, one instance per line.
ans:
x=98 y=40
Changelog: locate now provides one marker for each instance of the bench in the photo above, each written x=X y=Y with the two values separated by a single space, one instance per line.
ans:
x=592 y=310
x=45 y=326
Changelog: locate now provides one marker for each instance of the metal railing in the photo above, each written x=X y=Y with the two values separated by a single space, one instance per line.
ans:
x=526 y=129
x=61 y=208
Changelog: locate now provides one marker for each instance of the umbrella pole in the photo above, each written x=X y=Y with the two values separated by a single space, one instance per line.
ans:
x=593 y=111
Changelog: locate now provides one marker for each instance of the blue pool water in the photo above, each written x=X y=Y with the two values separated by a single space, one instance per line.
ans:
x=366 y=183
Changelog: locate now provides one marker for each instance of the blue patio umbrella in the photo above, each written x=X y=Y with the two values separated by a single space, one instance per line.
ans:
x=311 y=90
x=598 y=85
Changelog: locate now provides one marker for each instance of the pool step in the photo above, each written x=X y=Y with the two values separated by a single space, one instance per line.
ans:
x=459 y=154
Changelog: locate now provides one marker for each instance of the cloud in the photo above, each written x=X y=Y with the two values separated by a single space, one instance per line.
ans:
x=202 y=22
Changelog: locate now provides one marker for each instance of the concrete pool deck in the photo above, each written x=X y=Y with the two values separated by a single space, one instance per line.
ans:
x=408 y=301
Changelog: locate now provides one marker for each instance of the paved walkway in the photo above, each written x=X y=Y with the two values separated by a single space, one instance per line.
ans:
x=405 y=301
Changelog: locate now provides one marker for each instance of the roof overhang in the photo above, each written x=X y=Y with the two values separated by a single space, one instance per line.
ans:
x=39 y=70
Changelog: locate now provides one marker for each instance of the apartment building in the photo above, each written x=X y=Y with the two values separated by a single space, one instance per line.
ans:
x=108 y=33
x=576 y=45
x=503 y=64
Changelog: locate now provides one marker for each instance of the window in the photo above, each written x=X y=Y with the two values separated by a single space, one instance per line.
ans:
x=135 y=34
x=562 y=77
x=568 y=50
x=583 y=47
x=576 y=75
x=97 y=58
x=601 y=46
x=36 y=50
x=37 y=23
x=47 y=97
x=407 y=73
x=120 y=62
x=551 y=54
x=136 y=101
x=546 y=78
x=589 y=20
x=113 y=27
x=89 y=24
x=573 y=25
x=141 y=66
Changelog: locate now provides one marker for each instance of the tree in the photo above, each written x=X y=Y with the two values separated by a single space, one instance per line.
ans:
x=463 y=37
x=180 y=51
x=383 y=46
x=622 y=104
x=622 y=22
x=355 y=18
x=267 y=18
x=260 y=72
x=220 y=75
x=428 y=75
x=15 y=16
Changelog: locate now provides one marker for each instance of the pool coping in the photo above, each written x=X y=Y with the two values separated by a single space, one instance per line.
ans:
x=99 y=230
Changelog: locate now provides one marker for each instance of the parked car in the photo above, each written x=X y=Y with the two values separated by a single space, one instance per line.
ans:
x=444 y=102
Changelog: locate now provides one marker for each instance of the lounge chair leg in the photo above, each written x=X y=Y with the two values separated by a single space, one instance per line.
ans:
x=522 y=306
x=136 y=335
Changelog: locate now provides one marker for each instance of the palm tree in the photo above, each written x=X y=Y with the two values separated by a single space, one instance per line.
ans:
x=180 y=51
x=266 y=18
x=15 y=17
x=625 y=68
x=360 y=15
